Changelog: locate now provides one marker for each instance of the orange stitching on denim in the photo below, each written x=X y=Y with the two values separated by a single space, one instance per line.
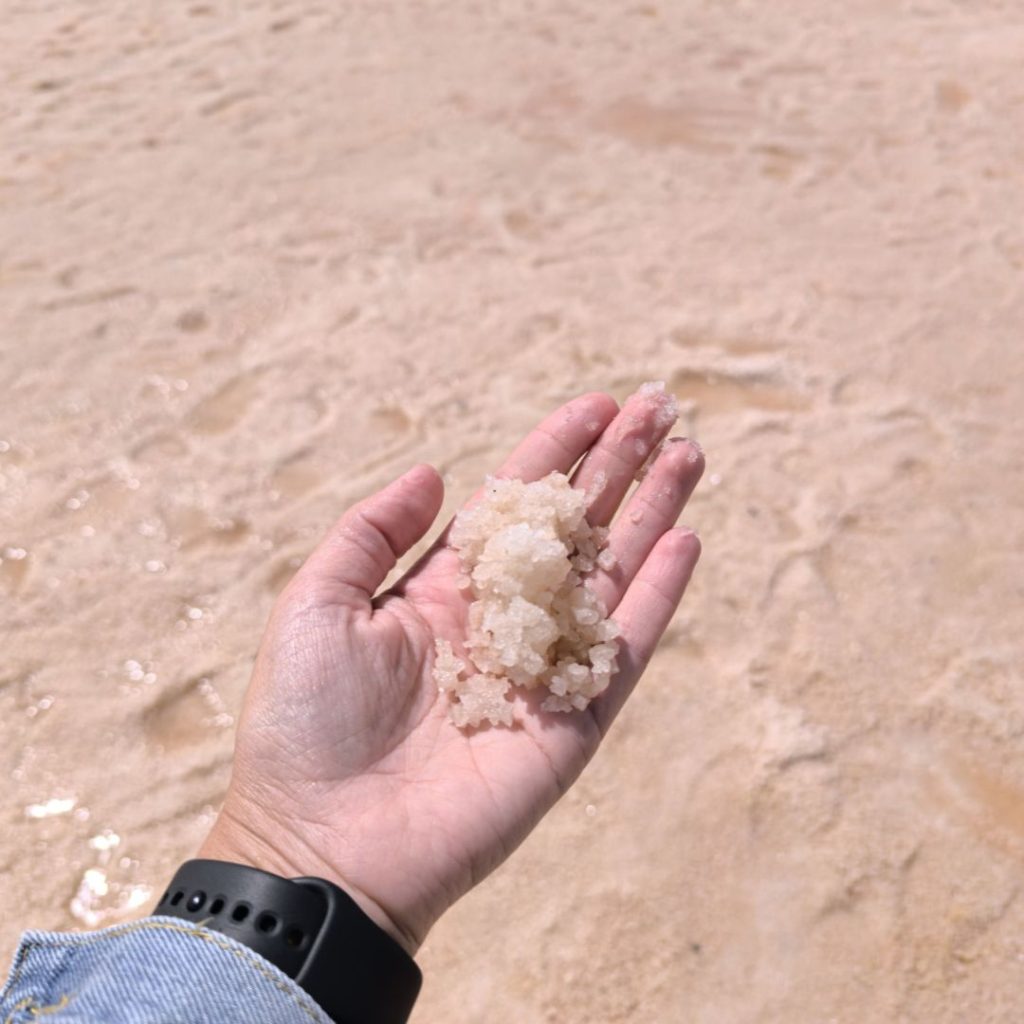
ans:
x=310 y=1009
x=22 y=1004
x=37 y=1011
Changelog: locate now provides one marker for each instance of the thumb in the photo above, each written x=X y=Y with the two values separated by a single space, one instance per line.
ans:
x=365 y=543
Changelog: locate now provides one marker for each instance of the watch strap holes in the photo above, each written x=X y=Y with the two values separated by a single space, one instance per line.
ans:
x=307 y=928
x=267 y=923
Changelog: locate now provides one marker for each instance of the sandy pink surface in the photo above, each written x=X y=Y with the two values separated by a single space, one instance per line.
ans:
x=258 y=257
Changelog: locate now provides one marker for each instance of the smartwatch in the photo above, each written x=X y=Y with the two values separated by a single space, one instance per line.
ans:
x=306 y=927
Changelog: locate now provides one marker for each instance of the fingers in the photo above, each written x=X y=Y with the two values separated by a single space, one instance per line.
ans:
x=645 y=611
x=555 y=445
x=653 y=509
x=613 y=463
x=560 y=439
x=363 y=546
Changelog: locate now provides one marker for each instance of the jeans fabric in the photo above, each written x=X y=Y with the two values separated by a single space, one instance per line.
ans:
x=156 y=971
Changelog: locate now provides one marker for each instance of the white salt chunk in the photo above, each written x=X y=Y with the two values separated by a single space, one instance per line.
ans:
x=532 y=622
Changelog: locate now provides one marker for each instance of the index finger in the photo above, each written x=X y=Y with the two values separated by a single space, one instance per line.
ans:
x=558 y=442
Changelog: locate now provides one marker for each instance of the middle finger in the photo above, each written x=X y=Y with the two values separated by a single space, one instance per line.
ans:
x=610 y=467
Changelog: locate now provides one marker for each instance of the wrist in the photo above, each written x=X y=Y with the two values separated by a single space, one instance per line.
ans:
x=237 y=841
x=311 y=930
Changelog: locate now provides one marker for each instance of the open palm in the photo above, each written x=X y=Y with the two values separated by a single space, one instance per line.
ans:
x=347 y=766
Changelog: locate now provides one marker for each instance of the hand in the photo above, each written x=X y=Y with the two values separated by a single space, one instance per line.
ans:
x=346 y=764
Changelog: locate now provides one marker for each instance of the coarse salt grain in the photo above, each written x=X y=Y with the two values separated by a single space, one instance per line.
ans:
x=525 y=548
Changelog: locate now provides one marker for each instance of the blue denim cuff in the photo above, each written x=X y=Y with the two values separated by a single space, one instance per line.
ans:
x=155 y=971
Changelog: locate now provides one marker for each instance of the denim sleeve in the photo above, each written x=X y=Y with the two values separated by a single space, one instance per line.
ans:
x=156 y=971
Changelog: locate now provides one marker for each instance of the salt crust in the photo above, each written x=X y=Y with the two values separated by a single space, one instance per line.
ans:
x=524 y=549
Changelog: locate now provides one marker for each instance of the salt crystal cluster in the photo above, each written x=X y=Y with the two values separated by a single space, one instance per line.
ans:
x=525 y=550
x=665 y=404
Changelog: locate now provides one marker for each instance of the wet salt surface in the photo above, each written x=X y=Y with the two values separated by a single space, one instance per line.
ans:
x=47 y=809
x=512 y=207
x=105 y=894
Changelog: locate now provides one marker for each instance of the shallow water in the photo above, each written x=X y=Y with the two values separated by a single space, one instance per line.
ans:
x=256 y=259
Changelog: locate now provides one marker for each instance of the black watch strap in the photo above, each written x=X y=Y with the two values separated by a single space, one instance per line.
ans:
x=308 y=928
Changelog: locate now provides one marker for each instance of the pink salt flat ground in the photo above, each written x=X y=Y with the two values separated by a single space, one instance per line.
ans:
x=258 y=257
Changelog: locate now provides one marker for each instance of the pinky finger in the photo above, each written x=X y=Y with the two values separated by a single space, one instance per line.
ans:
x=644 y=612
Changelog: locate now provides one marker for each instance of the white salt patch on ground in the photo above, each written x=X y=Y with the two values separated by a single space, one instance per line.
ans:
x=526 y=549
x=50 y=808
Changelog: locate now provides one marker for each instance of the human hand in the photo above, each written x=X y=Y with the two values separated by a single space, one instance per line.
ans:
x=347 y=766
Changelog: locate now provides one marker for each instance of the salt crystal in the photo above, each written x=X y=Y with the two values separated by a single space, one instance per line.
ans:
x=532 y=621
x=666 y=405
x=597 y=486
x=53 y=806
x=105 y=841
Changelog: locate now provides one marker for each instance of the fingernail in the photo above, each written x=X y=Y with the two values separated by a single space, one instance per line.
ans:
x=694 y=455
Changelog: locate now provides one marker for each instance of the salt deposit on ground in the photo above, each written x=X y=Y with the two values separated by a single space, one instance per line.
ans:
x=328 y=241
